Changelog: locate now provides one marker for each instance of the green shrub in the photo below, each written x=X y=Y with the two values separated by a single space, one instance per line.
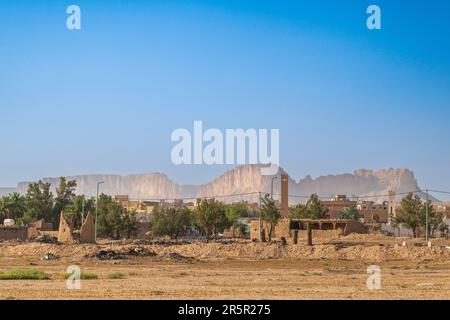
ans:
x=83 y=275
x=115 y=275
x=24 y=274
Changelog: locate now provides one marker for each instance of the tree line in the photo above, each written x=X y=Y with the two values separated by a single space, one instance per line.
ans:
x=411 y=214
x=209 y=218
x=39 y=202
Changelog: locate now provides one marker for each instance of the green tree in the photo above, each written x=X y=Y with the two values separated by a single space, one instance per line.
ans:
x=3 y=209
x=39 y=202
x=128 y=225
x=410 y=213
x=315 y=208
x=16 y=206
x=350 y=213
x=233 y=212
x=237 y=209
x=156 y=208
x=443 y=229
x=270 y=214
x=435 y=218
x=210 y=217
x=299 y=211
x=65 y=192
x=113 y=220
x=171 y=222
x=74 y=211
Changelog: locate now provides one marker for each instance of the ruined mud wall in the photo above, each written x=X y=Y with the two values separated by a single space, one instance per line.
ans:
x=280 y=230
x=13 y=233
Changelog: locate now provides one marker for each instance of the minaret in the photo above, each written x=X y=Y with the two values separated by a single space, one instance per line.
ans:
x=392 y=205
x=284 y=195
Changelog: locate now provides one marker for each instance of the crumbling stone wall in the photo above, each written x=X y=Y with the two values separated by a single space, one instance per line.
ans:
x=320 y=234
x=13 y=233
x=87 y=231
x=65 y=232
x=33 y=233
x=254 y=230
x=282 y=229
x=355 y=227
x=41 y=225
x=321 y=229
x=85 y=235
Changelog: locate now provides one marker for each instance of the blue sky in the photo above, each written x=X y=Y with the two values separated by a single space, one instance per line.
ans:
x=105 y=99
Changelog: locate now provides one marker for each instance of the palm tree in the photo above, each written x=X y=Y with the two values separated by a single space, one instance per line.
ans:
x=3 y=209
x=16 y=205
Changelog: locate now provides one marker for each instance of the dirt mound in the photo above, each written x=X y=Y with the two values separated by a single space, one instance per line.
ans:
x=40 y=249
x=277 y=251
x=231 y=250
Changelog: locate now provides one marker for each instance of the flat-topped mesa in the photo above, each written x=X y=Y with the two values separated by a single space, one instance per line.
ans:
x=243 y=180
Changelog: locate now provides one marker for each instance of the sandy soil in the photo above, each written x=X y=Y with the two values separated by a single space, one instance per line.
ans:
x=336 y=270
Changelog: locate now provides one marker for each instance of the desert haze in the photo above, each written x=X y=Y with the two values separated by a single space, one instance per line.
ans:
x=242 y=179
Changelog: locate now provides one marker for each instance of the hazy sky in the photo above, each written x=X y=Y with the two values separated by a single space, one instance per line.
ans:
x=105 y=99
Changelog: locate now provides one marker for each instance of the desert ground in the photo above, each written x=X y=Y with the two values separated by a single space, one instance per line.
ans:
x=233 y=269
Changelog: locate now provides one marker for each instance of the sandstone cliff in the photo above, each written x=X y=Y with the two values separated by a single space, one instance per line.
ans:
x=243 y=180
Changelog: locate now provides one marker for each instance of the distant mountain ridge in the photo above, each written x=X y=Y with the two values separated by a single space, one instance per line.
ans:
x=244 y=179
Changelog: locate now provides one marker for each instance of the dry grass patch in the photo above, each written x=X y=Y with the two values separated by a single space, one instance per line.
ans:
x=24 y=274
x=83 y=275
x=115 y=275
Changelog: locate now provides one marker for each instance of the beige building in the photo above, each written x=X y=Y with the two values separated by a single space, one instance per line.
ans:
x=443 y=207
x=374 y=212
x=291 y=229
x=138 y=206
x=337 y=205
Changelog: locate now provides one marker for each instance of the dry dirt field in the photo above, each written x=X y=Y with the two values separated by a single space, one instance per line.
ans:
x=233 y=270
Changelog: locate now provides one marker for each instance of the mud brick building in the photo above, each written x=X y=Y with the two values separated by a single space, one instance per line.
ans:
x=322 y=229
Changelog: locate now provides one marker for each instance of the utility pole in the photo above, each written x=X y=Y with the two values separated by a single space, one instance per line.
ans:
x=96 y=210
x=426 y=218
x=260 y=221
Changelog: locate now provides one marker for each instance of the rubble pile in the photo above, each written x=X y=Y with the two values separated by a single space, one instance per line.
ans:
x=112 y=254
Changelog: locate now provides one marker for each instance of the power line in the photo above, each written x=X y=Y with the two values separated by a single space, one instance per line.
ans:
x=289 y=195
x=438 y=191
x=355 y=196
x=392 y=194
x=194 y=198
